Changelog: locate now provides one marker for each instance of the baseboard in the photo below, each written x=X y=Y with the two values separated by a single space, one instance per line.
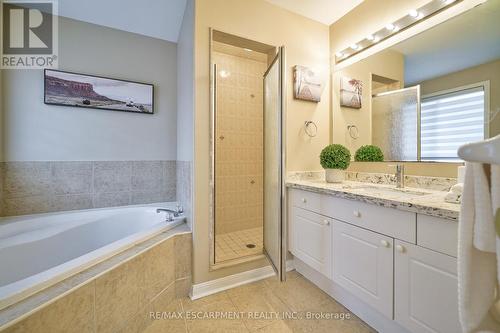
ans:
x=214 y=286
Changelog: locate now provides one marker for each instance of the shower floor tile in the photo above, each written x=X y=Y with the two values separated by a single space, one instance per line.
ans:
x=233 y=245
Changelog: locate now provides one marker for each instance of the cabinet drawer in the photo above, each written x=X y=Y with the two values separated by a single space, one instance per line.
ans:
x=306 y=200
x=437 y=234
x=388 y=221
x=391 y=222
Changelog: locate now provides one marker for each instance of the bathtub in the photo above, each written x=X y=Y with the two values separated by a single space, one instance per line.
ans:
x=37 y=251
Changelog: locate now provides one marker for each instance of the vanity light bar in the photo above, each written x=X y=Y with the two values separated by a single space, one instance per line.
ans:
x=412 y=18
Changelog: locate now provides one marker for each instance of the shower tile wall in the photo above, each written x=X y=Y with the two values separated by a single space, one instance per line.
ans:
x=42 y=187
x=239 y=138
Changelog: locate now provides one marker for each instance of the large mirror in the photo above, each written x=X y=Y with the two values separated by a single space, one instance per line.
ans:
x=426 y=96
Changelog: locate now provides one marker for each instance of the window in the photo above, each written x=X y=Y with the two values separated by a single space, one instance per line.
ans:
x=450 y=119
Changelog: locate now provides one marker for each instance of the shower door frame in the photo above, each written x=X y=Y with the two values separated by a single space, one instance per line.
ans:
x=283 y=250
x=213 y=265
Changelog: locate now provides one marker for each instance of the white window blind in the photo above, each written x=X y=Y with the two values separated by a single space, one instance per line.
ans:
x=450 y=120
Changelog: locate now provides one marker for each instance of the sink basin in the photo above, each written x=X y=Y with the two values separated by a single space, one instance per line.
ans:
x=393 y=190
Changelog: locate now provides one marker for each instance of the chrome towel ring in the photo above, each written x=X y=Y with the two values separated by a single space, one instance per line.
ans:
x=307 y=128
x=353 y=131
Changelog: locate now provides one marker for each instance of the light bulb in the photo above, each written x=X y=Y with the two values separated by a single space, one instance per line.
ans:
x=224 y=74
x=339 y=54
x=390 y=27
x=354 y=46
x=370 y=37
x=413 y=13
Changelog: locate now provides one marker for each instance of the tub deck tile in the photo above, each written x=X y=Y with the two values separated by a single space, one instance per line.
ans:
x=95 y=279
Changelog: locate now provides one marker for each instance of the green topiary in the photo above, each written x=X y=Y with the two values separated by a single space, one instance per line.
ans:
x=335 y=157
x=369 y=153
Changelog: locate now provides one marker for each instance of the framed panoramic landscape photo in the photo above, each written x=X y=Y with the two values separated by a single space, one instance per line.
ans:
x=88 y=91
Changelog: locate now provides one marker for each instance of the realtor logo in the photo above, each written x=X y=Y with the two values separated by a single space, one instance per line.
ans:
x=29 y=34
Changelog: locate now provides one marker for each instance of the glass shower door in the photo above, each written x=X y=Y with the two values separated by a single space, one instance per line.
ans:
x=395 y=123
x=274 y=227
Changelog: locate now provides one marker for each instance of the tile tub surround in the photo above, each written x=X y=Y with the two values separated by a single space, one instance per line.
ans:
x=113 y=296
x=43 y=187
x=432 y=204
x=423 y=182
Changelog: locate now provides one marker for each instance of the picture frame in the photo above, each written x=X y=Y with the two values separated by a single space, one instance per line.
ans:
x=65 y=88
x=307 y=84
x=351 y=93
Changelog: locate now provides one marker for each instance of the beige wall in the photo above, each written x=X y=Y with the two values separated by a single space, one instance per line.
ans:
x=307 y=43
x=363 y=20
x=389 y=64
x=486 y=72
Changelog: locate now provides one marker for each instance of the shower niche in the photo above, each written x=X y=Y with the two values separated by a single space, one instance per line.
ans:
x=246 y=150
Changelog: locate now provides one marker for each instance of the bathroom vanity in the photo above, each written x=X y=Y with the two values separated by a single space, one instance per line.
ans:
x=388 y=255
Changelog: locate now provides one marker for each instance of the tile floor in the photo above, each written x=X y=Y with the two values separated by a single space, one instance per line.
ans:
x=296 y=297
x=233 y=245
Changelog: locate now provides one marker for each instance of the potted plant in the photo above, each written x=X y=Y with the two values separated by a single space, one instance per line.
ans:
x=369 y=153
x=335 y=159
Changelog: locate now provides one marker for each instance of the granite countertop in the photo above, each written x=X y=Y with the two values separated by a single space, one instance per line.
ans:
x=432 y=203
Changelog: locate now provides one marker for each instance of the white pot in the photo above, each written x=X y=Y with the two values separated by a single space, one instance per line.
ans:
x=334 y=175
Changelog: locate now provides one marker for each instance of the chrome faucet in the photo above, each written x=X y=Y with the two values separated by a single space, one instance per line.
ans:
x=175 y=213
x=400 y=175
x=171 y=214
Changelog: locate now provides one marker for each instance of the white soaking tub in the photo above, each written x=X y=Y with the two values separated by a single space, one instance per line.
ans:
x=37 y=251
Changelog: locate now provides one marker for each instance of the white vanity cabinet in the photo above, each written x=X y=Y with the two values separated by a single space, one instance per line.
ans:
x=312 y=240
x=363 y=265
x=425 y=289
x=398 y=268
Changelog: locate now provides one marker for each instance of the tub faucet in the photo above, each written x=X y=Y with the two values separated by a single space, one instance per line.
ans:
x=400 y=175
x=175 y=213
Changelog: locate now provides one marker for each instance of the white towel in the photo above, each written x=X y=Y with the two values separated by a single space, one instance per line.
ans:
x=477 y=271
x=484 y=226
x=457 y=188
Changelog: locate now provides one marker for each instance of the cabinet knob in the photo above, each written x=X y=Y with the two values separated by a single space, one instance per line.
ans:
x=401 y=248
x=385 y=243
x=326 y=222
x=357 y=213
x=304 y=200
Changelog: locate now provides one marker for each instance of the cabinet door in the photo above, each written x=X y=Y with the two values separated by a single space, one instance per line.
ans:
x=363 y=265
x=312 y=240
x=426 y=297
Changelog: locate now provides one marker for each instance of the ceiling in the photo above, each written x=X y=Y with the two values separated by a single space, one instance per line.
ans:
x=154 y=18
x=468 y=40
x=163 y=18
x=324 y=11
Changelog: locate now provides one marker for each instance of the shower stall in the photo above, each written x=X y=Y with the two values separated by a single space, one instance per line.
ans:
x=247 y=152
